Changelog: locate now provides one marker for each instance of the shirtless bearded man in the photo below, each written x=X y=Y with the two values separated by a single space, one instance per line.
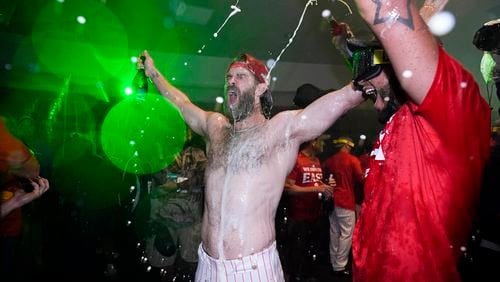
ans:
x=249 y=157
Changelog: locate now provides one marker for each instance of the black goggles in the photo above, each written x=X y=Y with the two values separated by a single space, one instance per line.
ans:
x=367 y=63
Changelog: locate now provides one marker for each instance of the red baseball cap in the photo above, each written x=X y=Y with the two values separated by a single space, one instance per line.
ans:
x=253 y=65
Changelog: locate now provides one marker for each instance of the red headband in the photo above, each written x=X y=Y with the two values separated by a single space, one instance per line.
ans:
x=253 y=65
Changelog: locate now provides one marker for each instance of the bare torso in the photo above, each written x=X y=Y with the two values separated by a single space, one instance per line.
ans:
x=244 y=181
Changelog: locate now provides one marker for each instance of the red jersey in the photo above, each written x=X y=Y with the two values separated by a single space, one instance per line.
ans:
x=346 y=170
x=307 y=173
x=423 y=183
x=15 y=160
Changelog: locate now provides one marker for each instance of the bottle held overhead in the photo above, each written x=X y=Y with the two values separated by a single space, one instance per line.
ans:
x=140 y=82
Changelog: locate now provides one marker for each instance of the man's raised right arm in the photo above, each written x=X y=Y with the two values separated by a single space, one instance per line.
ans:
x=412 y=49
x=195 y=117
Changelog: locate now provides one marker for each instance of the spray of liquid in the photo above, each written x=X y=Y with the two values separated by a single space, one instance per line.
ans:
x=235 y=9
x=243 y=154
x=347 y=5
x=309 y=3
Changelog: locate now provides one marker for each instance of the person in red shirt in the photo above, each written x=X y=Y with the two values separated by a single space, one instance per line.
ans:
x=347 y=172
x=425 y=173
x=363 y=156
x=20 y=184
x=305 y=188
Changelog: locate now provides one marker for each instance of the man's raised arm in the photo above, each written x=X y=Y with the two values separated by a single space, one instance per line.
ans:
x=411 y=47
x=194 y=116
x=317 y=117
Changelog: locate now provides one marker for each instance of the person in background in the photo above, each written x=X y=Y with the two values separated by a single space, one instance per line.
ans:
x=305 y=188
x=346 y=170
x=486 y=256
x=425 y=173
x=363 y=156
x=176 y=211
x=20 y=184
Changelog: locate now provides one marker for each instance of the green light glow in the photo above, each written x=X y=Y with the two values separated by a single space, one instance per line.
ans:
x=88 y=51
x=142 y=136
x=128 y=91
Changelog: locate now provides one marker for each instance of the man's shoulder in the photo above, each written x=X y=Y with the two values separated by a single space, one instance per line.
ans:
x=217 y=122
x=449 y=66
x=283 y=116
x=215 y=118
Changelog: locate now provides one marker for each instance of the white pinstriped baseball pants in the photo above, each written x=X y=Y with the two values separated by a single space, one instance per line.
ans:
x=260 y=267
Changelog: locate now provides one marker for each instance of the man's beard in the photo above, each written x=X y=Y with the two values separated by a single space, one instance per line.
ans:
x=244 y=107
x=391 y=107
x=397 y=98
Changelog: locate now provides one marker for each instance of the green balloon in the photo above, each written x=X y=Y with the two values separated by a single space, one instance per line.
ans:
x=142 y=135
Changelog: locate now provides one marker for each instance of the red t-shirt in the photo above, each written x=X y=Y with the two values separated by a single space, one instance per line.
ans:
x=346 y=170
x=26 y=166
x=307 y=173
x=423 y=183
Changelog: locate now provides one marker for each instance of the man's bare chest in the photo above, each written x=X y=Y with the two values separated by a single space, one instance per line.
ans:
x=240 y=151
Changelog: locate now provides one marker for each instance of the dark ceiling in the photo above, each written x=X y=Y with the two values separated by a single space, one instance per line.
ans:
x=181 y=28
x=263 y=27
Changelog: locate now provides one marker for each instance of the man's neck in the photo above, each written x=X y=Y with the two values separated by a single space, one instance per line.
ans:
x=251 y=122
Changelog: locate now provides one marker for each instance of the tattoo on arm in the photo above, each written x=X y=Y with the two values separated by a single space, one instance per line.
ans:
x=393 y=15
x=154 y=75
